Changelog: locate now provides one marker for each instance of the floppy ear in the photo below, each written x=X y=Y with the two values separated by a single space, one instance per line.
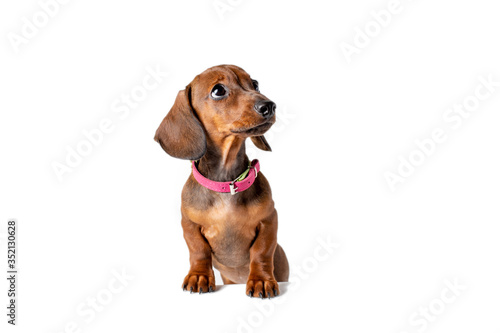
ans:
x=180 y=133
x=261 y=142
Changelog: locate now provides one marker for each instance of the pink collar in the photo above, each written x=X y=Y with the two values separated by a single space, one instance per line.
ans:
x=229 y=187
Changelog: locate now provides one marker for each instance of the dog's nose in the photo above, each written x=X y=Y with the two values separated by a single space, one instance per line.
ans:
x=265 y=108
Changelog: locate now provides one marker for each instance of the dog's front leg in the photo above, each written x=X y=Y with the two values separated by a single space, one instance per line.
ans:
x=261 y=281
x=201 y=276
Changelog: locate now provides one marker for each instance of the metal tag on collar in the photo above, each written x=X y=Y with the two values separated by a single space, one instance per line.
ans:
x=232 y=188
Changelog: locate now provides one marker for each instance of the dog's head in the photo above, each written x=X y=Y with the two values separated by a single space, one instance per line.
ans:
x=223 y=100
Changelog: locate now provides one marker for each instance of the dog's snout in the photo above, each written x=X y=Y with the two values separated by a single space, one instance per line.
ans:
x=265 y=108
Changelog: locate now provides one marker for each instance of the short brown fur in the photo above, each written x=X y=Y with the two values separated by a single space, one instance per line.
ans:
x=237 y=234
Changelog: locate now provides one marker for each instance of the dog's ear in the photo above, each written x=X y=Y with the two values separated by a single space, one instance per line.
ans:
x=261 y=142
x=180 y=133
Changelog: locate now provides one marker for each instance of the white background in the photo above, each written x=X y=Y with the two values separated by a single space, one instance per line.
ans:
x=341 y=126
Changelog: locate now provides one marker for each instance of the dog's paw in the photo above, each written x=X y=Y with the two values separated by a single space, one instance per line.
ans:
x=263 y=288
x=199 y=282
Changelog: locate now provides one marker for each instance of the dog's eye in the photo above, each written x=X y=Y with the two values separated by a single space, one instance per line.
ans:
x=255 y=85
x=218 y=92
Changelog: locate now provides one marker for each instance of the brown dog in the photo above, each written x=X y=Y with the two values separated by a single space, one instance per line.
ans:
x=237 y=234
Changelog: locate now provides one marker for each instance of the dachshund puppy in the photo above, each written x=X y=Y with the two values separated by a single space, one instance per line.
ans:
x=228 y=215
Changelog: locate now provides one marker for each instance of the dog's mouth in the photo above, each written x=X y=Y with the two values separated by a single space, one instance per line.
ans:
x=255 y=130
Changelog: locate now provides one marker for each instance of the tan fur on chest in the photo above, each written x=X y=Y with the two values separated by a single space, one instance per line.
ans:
x=229 y=229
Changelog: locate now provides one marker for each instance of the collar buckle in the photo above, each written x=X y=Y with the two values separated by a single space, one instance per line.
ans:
x=232 y=188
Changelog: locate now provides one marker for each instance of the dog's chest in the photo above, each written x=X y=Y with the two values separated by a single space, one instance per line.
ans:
x=228 y=222
x=229 y=229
